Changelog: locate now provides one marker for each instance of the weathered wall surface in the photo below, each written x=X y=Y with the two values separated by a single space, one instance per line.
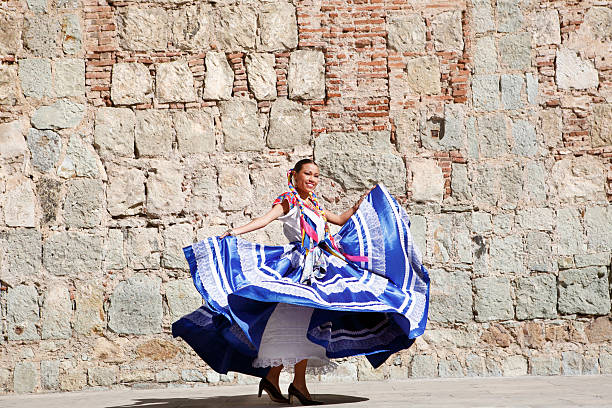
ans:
x=128 y=129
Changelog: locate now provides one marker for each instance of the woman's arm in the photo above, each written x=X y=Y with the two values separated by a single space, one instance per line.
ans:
x=344 y=217
x=259 y=222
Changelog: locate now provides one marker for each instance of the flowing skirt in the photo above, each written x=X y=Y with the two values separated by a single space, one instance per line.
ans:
x=375 y=306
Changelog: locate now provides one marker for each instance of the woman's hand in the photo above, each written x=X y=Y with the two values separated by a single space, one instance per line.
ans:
x=358 y=203
x=227 y=233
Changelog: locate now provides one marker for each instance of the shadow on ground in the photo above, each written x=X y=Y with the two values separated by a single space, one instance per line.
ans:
x=246 y=401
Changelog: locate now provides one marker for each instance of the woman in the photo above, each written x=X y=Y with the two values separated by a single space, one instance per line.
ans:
x=361 y=291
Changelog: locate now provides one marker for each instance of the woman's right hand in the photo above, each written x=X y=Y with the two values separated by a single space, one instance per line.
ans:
x=227 y=233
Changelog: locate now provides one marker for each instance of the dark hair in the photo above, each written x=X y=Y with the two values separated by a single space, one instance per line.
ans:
x=298 y=166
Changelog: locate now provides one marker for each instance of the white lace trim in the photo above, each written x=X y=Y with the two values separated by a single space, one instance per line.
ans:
x=315 y=365
x=374 y=235
x=207 y=271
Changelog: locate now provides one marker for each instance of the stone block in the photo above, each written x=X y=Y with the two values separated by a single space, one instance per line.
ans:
x=423 y=75
x=509 y=16
x=235 y=187
x=73 y=254
x=406 y=127
x=460 y=183
x=290 y=124
x=485 y=56
x=219 y=80
x=358 y=161
x=481 y=222
x=545 y=27
x=125 y=191
x=154 y=133
x=73 y=380
x=89 y=315
x=114 y=132
x=69 y=77
x=451 y=296
x=511 y=87
x=8 y=82
x=143 y=248
x=22 y=313
x=485 y=92
x=507 y=254
x=41 y=35
x=193 y=376
x=532 y=88
x=174 y=82
x=574 y=72
x=344 y=372
x=38 y=6
x=544 y=365
x=261 y=75
x=49 y=374
x=182 y=297
x=61 y=115
x=601 y=259
x=525 y=140
x=81 y=158
x=143 y=29
x=192 y=27
x=571 y=363
x=26 y=377
x=515 y=51
x=550 y=127
x=157 y=350
x=535 y=187
x=240 y=124
x=427 y=181
x=20 y=255
x=584 y=291
x=423 y=366
x=590 y=365
x=12 y=141
x=306 y=75
x=493 y=300
x=569 y=233
x=131 y=83
x=448 y=31
x=45 y=146
x=483 y=20
x=56 y=313
x=236 y=28
x=514 y=366
x=450 y=368
x=84 y=205
x=10 y=36
x=579 y=180
x=277 y=27
x=365 y=371
x=536 y=297
x=503 y=224
x=601 y=125
x=541 y=219
x=72 y=35
x=492 y=132
x=442 y=245
x=19 y=202
x=176 y=237
x=195 y=132
x=114 y=257
x=166 y=376
x=136 y=306
x=598 y=226
x=164 y=188
x=450 y=134
x=406 y=33
x=605 y=362
x=204 y=191
x=48 y=190
x=102 y=376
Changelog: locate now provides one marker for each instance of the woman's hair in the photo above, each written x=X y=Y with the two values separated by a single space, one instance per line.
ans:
x=298 y=166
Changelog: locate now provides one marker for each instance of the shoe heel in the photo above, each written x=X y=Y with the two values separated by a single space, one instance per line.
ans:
x=291 y=399
x=260 y=390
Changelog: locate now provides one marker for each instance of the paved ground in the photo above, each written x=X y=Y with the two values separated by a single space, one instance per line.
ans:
x=585 y=391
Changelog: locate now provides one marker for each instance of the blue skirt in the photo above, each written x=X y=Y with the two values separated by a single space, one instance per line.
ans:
x=369 y=291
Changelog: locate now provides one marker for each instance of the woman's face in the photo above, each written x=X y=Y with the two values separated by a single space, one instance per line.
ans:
x=307 y=178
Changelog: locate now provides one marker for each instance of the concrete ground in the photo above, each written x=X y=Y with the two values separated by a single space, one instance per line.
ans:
x=584 y=391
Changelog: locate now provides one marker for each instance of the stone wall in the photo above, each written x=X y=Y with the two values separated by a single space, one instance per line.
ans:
x=131 y=128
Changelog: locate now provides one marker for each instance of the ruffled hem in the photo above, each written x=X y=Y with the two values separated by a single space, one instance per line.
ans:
x=315 y=364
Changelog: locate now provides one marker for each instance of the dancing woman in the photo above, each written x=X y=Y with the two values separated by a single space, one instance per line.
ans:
x=362 y=291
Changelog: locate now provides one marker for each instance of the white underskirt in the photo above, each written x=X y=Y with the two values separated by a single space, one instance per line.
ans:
x=284 y=341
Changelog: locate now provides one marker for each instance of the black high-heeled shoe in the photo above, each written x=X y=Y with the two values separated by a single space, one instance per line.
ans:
x=303 y=399
x=273 y=392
